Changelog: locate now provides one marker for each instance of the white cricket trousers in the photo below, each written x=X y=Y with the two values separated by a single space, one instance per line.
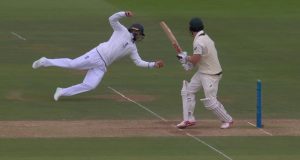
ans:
x=90 y=61
x=209 y=84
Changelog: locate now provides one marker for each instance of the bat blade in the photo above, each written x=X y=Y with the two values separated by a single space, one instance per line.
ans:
x=171 y=37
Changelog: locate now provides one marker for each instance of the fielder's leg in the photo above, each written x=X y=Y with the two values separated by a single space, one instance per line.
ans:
x=91 y=81
x=89 y=60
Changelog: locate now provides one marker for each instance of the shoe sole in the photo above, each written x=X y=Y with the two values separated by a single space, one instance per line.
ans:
x=56 y=94
x=230 y=125
x=188 y=125
x=35 y=63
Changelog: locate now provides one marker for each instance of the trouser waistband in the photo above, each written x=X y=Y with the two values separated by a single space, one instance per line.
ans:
x=101 y=57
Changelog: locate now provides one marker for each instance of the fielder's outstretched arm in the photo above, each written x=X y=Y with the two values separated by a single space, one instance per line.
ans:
x=114 y=20
x=144 y=64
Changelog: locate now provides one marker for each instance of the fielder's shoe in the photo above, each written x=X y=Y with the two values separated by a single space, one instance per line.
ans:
x=185 y=124
x=226 y=125
x=38 y=63
x=57 y=93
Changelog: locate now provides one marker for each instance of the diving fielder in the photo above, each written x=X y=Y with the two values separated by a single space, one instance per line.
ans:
x=121 y=43
x=207 y=77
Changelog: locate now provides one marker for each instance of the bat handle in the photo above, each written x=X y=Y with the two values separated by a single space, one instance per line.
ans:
x=177 y=48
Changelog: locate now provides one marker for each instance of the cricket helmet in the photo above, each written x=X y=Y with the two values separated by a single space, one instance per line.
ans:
x=137 y=27
x=137 y=31
x=196 y=25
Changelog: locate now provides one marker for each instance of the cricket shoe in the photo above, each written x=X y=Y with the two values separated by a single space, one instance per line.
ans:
x=226 y=125
x=185 y=124
x=57 y=93
x=39 y=63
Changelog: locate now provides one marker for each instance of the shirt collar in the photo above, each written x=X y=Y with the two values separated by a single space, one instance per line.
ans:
x=200 y=32
x=131 y=36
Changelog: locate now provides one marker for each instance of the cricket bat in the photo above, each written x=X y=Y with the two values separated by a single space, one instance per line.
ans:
x=171 y=36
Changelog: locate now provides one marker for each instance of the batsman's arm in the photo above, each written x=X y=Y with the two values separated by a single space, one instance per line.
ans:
x=184 y=58
x=199 y=49
x=194 y=59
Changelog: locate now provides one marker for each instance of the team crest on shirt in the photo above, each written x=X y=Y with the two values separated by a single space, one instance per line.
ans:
x=125 y=45
x=195 y=48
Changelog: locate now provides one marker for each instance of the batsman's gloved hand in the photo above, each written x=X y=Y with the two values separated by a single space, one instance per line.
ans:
x=188 y=66
x=182 y=57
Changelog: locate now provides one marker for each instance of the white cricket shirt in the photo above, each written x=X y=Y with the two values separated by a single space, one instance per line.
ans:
x=120 y=44
x=209 y=62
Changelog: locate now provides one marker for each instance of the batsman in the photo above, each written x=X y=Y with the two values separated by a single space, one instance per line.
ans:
x=207 y=77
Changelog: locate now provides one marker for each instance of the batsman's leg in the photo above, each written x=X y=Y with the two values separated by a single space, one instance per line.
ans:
x=210 y=85
x=184 y=100
x=189 y=101
x=217 y=108
x=192 y=88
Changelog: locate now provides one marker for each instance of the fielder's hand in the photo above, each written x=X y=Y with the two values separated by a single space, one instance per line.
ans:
x=182 y=57
x=159 y=64
x=128 y=13
x=188 y=66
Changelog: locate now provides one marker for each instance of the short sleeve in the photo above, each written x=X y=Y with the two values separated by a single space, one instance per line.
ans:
x=199 y=49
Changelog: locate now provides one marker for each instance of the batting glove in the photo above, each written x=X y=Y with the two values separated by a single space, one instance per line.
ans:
x=188 y=66
x=182 y=57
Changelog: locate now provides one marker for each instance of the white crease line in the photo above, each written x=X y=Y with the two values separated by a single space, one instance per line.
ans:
x=199 y=140
x=163 y=119
x=268 y=133
x=144 y=107
x=17 y=35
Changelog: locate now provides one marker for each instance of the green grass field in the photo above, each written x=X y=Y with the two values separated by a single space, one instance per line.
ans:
x=262 y=148
x=255 y=39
